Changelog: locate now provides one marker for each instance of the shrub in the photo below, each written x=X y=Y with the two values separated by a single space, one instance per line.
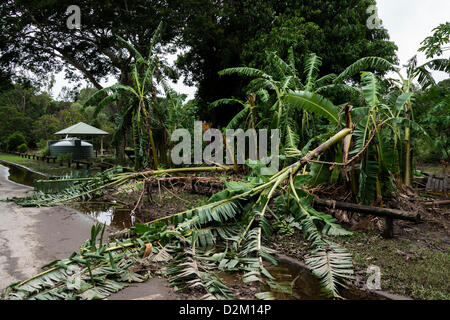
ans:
x=22 y=148
x=42 y=144
x=64 y=156
x=15 y=140
x=44 y=150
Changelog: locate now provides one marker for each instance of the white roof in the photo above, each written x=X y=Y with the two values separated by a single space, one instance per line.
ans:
x=82 y=128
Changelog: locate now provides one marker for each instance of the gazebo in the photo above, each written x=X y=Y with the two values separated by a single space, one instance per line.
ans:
x=83 y=129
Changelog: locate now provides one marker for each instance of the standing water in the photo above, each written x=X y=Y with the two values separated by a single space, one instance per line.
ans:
x=21 y=174
x=103 y=212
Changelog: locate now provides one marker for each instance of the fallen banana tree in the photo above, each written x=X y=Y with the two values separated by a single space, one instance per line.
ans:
x=225 y=233
x=69 y=188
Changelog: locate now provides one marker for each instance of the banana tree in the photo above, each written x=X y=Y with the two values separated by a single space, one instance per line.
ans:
x=404 y=105
x=422 y=75
x=269 y=88
x=279 y=80
x=141 y=97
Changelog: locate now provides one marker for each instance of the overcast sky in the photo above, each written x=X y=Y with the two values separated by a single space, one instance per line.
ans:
x=408 y=22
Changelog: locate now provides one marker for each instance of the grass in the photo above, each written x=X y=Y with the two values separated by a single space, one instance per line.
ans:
x=430 y=168
x=51 y=169
x=12 y=158
x=406 y=267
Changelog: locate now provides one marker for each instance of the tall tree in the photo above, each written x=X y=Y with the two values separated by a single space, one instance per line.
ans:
x=34 y=35
x=235 y=33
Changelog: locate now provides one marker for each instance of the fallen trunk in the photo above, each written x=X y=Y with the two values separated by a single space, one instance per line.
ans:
x=436 y=203
x=380 y=212
x=388 y=214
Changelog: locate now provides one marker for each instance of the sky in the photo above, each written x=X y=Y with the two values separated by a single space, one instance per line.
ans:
x=408 y=22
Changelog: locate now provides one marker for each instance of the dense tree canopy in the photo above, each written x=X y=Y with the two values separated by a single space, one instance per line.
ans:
x=215 y=35
x=34 y=35
x=236 y=33
x=433 y=113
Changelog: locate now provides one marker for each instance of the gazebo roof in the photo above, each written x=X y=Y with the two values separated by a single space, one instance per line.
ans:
x=82 y=128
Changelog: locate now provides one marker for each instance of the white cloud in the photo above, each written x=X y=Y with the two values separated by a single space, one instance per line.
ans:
x=409 y=22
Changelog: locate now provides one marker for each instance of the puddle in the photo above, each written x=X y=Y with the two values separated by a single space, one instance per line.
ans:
x=105 y=212
x=293 y=283
x=21 y=175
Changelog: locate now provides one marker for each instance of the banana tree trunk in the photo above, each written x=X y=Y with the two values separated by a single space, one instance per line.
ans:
x=152 y=143
x=408 y=157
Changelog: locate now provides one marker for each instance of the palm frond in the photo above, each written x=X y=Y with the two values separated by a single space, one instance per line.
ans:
x=245 y=71
x=370 y=88
x=194 y=271
x=331 y=265
x=402 y=100
x=292 y=138
x=314 y=103
x=312 y=65
x=365 y=64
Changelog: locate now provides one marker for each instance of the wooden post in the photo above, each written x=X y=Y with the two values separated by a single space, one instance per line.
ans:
x=388 y=228
x=101 y=146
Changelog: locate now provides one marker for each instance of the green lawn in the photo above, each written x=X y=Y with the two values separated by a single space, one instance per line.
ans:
x=406 y=267
x=12 y=158
x=51 y=169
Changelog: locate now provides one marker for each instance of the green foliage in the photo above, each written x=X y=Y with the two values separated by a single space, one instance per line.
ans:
x=45 y=126
x=12 y=121
x=432 y=112
x=96 y=272
x=236 y=216
x=142 y=111
x=22 y=148
x=70 y=187
x=64 y=156
x=434 y=44
x=331 y=264
x=314 y=103
x=43 y=148
x=14 y=141
x=242 y=32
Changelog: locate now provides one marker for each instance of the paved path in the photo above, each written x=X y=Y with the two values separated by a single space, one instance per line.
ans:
x=33 y=237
